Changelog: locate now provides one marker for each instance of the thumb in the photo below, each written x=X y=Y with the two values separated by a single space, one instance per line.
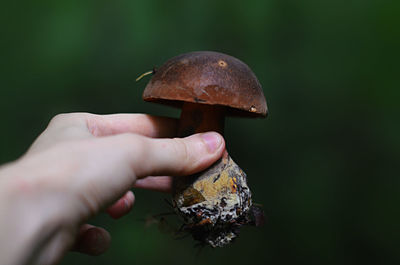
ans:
x=112 y=164
x=179 y=156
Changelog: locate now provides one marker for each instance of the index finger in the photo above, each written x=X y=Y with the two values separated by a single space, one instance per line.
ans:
x=155 y=183
x=143 y=124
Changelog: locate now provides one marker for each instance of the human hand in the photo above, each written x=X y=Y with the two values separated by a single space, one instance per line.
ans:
x=83 y=163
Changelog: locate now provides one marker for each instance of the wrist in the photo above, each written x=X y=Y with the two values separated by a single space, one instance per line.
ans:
x=17 y=225
x=29 y=216
x=28 y=187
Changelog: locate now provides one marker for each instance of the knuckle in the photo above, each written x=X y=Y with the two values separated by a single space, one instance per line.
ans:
x=183 y=153
x=136 y=151
x=68 y=118
x=128 y=140
x=59 y=118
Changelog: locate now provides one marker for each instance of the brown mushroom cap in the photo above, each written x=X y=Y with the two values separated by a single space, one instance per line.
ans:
x=208 y=78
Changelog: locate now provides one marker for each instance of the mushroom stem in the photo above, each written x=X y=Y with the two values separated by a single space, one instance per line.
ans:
x=197 y=118
x=214 y=203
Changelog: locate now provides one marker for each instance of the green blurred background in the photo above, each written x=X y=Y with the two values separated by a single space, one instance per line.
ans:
x=324 y=163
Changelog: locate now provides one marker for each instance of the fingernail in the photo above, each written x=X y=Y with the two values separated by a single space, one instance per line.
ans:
x=100 y=244
x=128 y=201
x=213 y=141
x=126 y=204
x=99 y=239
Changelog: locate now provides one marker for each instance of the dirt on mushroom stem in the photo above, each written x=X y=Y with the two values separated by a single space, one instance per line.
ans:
x=215 y=203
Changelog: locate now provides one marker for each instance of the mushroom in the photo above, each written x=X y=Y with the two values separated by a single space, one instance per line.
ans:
x=208 y=86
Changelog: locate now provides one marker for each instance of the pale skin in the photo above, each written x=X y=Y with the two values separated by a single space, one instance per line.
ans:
x=81 y=165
